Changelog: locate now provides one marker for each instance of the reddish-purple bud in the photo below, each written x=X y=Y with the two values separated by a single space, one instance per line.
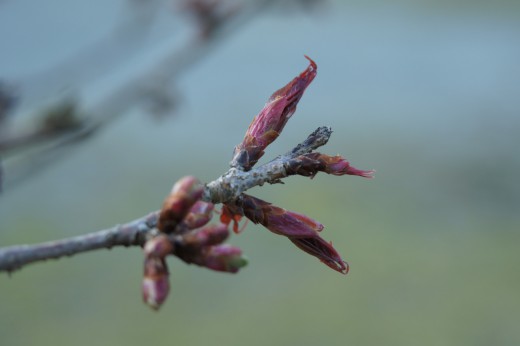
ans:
x=185 y=193
x=188 y=185
x=312 y=163
x=209 y=235
x=199 y=215
x=269 y=123
x=224 y=258
x=159 y=246
x=337 y=165
x=324 y=251
x=300 y=229
x=155 y=285
x=278 y=220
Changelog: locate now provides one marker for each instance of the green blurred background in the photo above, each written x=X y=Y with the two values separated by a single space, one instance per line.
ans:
x=426 y=93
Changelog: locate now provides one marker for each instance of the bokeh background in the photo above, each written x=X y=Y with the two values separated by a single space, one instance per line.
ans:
x=425 y=92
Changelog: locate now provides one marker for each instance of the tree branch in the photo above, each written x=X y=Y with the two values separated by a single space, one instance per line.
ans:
x=130 y=234
x=226 y=188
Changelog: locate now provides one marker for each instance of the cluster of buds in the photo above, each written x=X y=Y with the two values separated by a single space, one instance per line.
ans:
x=183 y=231
x=183 y=228
x=265 y=128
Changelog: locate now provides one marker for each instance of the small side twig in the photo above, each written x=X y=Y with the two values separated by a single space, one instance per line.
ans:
x=235 y=181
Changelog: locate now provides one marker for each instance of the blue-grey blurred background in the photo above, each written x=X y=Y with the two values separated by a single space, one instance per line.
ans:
x=425 y=92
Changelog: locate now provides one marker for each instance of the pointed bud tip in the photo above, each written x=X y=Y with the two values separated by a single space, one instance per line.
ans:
x=344 y=268
x=313 y=64
x=239 y=262
x=365 y=174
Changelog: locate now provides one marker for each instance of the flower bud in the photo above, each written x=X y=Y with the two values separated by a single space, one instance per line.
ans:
x=159 y=246
x=209 y=235
x=199 y=215
x=269 y=123
x=310 y=164
x=185 y=193
x=300 y=229
x=155 y=285
x=224 y=258
x=337 y=165
x=324 y=251
x=278 y=220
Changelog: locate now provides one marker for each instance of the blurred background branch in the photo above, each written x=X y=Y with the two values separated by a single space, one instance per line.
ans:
x=69 y=120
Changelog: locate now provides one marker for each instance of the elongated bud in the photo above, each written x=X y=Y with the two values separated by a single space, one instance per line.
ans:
x=300 y=229
x=155 y=285
x=185 y=193
x=269 y=123
x=224 y=258
x=324 y=251
x=278 y=220
x=199 y=215
x=310 y=164
x=159 y=246
x=209 y=235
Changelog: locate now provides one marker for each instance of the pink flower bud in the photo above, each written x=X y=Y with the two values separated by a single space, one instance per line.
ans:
x=185 y=193
x=159 y=246
x=187 y=185
x=337 y=165
x=300 y=229
x=311 y=164
x=223 y=258
x=324 y=251
x=278 y=220
x=199 y=215
x=269 y=123
x=155 y=285
x=209 y=235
